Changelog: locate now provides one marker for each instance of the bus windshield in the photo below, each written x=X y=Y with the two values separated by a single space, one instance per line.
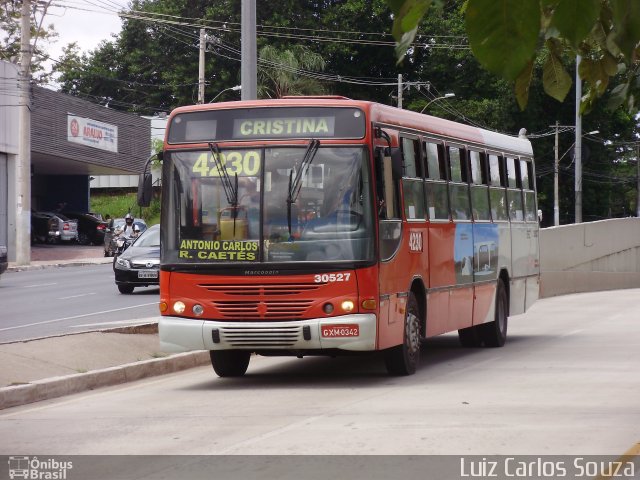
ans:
x=269 y=205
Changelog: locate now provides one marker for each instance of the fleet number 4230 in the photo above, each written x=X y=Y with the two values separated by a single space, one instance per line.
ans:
x=332 y=277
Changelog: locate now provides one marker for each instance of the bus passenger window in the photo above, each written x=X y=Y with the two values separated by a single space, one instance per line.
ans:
x=456 y=168
x=435 y=162
x=413 y=199
x=496 y=172
x=411 y=158
x=479 y=188
x=516 y=206
x=530 y=210
x=460 y=208
x=437 y=201
x=512 y=173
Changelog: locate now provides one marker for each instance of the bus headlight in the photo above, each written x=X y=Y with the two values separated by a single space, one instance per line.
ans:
x=179 y=307
x=347 y=306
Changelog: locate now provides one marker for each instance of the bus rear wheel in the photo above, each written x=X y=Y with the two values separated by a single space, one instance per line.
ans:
x=230 y=363
x=494 y=334
x=404 y=359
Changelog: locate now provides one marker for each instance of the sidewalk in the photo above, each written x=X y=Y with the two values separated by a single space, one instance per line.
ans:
x=45 y=256
x=35 y=370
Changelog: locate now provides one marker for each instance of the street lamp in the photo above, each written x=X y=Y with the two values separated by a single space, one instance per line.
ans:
x=235 y=89
x=556 y=206
x=446 y=95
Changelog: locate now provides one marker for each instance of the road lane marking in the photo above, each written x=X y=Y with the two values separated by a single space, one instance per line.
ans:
x=76 y=316
x=77 y=296
x=40 y=285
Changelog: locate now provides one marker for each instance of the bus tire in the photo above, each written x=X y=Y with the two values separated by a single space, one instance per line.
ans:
x=404 y=359
x=470 y=337
x=494 y=334
x=230 y=363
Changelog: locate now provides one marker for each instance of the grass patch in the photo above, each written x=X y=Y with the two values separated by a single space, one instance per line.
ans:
x=118 y=203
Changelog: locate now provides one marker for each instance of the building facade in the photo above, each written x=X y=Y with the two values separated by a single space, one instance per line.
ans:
x=72 y=140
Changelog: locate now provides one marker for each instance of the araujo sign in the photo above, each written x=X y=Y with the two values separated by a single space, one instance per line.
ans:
x=92 y=133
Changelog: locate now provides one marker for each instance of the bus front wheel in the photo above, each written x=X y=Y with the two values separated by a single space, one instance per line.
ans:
x=230 y=363
x=494 y=334
x=404 y=359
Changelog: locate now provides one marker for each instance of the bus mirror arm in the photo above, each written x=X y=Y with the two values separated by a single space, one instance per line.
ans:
x=395 y=153
x=145 y=182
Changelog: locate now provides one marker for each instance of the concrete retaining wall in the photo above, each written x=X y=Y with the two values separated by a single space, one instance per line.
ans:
x=589 y=257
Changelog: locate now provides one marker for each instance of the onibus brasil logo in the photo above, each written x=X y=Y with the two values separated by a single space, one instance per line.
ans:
x=38 y=469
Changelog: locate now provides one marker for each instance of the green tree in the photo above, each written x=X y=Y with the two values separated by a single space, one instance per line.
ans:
x=279 y=71
x=506 y=36
x=41 y=35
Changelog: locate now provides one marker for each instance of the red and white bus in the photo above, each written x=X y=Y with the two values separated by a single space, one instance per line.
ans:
x=324 y=225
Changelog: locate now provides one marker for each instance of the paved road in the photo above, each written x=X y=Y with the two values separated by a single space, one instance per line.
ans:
x=566 y=383
x=38 y=303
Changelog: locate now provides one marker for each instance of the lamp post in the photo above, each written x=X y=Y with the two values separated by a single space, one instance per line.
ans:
x=235 y=89
x=446 y=95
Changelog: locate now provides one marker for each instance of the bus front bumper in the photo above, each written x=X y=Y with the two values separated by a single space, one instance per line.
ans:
x=355 y=332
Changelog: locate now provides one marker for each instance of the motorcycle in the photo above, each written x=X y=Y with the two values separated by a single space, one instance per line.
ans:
x=122 y=242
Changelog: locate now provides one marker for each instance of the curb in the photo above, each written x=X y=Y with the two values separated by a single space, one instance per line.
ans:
x=43 y=264
x=55 y=387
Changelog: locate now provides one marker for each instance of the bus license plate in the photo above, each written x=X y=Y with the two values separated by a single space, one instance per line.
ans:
x=335 y=331
x=148 y=274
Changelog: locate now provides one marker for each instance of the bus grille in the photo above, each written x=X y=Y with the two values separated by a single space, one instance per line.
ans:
x=258 y=337
x=263 y=301
x=267 y=309
x=260 y=290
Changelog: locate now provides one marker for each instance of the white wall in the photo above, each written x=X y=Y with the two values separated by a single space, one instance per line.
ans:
x=589 y=257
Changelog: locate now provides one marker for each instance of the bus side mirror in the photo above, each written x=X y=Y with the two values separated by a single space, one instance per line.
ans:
x=144 y=189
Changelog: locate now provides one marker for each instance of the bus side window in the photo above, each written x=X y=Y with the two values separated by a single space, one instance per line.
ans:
x=497 y=193
x=458 y=187
x=479 y=187
x=436 y=183
x=412 y=182
x=530 y=210
x=387 y=191
x=516 y=207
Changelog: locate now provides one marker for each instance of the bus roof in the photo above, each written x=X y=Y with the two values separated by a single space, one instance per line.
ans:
x=386 y=115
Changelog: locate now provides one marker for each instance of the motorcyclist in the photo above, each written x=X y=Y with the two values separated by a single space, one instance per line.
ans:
x=129 y=230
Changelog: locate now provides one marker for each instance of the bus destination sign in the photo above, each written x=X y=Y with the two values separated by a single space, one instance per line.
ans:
x=305 y=127
x=267 y=123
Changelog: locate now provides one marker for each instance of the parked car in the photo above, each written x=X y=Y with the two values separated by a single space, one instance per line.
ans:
x=4 y=260
x=90 y=228
x=114 y=230
x=139 y=265
x=52 y=228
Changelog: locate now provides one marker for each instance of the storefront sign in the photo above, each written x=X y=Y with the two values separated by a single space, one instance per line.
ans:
x=92 y=133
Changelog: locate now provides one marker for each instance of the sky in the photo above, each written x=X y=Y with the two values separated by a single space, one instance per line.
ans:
x=84 y=21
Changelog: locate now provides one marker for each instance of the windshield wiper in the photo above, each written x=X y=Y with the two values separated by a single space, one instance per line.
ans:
x=295 y=184
x=230 y=189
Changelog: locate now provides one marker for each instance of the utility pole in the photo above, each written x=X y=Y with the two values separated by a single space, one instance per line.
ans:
x=638 y=180
x=578 y=148
x=556 y=205
x=23 y=162
x=249 y=63
x=203 y=47
x=399 y=90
